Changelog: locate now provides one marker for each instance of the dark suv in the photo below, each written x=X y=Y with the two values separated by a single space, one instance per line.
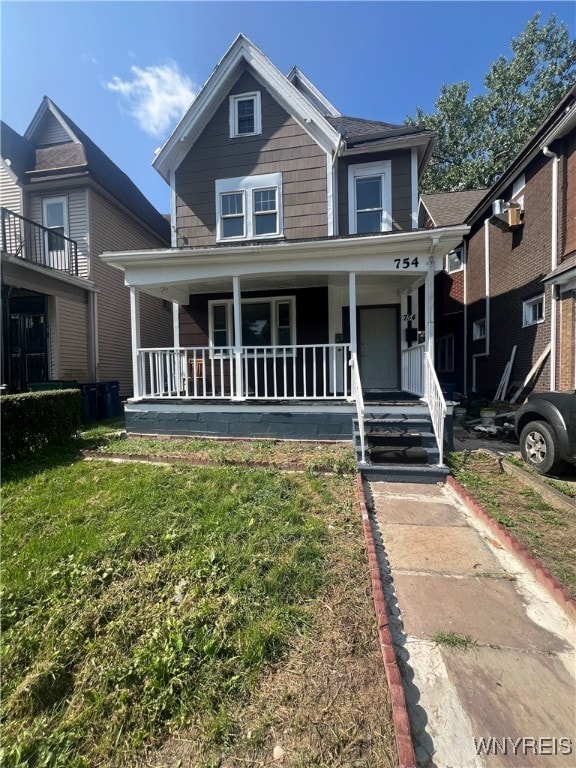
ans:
x=546 y=428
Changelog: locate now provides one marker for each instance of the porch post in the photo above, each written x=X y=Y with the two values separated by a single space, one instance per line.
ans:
x=352 y=303
x=430 y=309
x=135 y=333
x=237 y=337
x=176 y=323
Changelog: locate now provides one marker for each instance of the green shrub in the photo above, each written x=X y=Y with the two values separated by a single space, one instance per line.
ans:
x=34 y=420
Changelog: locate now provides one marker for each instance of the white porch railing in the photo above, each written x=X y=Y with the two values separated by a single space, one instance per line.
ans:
x=436 y=404
x=413 y=370
x=291 y=372
x=359 y=399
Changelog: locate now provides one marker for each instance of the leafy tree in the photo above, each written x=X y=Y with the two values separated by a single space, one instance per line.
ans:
x=480 y=136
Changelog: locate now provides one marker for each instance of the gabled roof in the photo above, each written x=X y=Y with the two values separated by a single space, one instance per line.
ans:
x=561 y=121
x=16 y=151
x=448 y=208
x=82 y=155
x=299 y=79
x=242 y=53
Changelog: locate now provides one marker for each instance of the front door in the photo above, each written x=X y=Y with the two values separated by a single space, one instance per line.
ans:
x=28 y=342
x=378 y=330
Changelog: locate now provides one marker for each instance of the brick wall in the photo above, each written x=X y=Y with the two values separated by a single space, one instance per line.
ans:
x=567 y=334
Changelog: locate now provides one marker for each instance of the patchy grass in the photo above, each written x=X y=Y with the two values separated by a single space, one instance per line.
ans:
x=315 y=457
x=547 y=532
x=223 y=606
x=454 y=640
x=559 y=485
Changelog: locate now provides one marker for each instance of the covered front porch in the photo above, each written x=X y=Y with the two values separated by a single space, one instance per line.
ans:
x=322 y=324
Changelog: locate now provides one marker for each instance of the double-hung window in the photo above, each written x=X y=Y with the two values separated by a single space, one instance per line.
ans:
x=249 y=208
x=265 y=322
x=454 y=261
x=370 y=197
x=445 y=354
x=245 y=115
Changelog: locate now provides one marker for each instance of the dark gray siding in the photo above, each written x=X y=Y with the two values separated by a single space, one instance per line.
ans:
x=283 y=146
x=401 y=187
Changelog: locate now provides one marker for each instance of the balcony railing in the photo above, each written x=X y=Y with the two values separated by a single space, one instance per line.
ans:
x=292 y=372
x=30 y=241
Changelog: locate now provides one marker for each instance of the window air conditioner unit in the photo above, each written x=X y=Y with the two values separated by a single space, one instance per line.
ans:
x=514 y=216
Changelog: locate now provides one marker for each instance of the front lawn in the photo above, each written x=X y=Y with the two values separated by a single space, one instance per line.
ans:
x=547 y=532
x=141 y=601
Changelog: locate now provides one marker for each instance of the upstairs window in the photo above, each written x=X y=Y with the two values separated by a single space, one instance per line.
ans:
x=454 y=261
x=533 y=311
x=479 y=329
x=369 y=197
x=55 y=219
x=249 y=207
x=245 y=115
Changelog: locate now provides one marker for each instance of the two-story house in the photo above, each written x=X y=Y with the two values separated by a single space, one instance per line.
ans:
x=305 y=287
x=516 y=330
x=66 y=314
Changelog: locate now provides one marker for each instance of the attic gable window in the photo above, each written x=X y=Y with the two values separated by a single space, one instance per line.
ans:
x=369 y=198
x=245 y=115
x=249 y=207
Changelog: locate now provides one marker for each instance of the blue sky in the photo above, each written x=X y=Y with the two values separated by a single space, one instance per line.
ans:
x=125 y=71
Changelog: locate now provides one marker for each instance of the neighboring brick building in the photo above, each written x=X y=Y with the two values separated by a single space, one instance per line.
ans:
x=517 y=282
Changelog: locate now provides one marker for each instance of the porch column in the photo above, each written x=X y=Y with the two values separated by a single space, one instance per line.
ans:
x=430 y=309
x=176 y=323
x=237 y=338
x=135 y=334
x=352 y=303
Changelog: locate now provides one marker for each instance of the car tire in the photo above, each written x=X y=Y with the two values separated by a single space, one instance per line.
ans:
x=540 y=450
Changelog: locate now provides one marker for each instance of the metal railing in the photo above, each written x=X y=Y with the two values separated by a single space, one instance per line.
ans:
x=412 y=370
x=32 y=242
x=359 y=399
x=436 y=404
x=291 y=372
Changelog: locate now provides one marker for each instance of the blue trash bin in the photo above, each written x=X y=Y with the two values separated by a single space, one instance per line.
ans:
x=89 y=406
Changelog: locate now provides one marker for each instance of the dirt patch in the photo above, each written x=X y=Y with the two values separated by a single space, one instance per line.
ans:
x=547 y=531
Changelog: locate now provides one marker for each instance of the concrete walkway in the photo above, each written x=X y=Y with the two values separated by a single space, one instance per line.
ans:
x=515 y=687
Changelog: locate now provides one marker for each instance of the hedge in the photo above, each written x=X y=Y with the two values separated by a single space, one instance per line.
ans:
x=34 y=420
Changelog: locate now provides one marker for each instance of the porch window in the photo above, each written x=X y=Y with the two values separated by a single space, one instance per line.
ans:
x=369 y=197
x=445 y=354
x=245 y=115
x=249 y=207
x=533 y=311
x=265 y=322
x=55 y=219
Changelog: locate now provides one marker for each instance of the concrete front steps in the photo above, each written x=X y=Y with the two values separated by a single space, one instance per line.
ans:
x=400 y=446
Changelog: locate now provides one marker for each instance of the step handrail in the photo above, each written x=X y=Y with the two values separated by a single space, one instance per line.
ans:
x=359 y=400
x=436 y=404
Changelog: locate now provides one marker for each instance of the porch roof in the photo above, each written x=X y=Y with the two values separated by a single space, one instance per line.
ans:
x=366 y=254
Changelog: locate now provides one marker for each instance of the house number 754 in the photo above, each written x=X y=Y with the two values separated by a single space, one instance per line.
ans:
x=405 y=263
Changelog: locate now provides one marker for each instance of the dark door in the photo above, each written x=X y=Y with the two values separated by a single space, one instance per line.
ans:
x=28 y=342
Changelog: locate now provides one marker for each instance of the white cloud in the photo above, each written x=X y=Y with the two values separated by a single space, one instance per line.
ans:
x=155 y=96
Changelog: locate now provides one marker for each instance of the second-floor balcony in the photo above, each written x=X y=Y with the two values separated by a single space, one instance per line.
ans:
x=25 y=239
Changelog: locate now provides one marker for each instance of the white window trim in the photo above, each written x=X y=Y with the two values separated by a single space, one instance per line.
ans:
x=274 y=301
x=234 y=99
x=527 y=307
x=461 y=267
x=52 y=200
x=477 y=333
x=358 y=170
x=517 y=188
x=247 y=185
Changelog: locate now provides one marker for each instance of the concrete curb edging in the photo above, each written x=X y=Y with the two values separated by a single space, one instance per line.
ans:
x=404 y=745
x=557 y=591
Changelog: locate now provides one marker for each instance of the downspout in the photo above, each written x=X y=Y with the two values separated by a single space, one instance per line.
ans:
x=553 y=264
x=465 y=277
x=486 y=352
